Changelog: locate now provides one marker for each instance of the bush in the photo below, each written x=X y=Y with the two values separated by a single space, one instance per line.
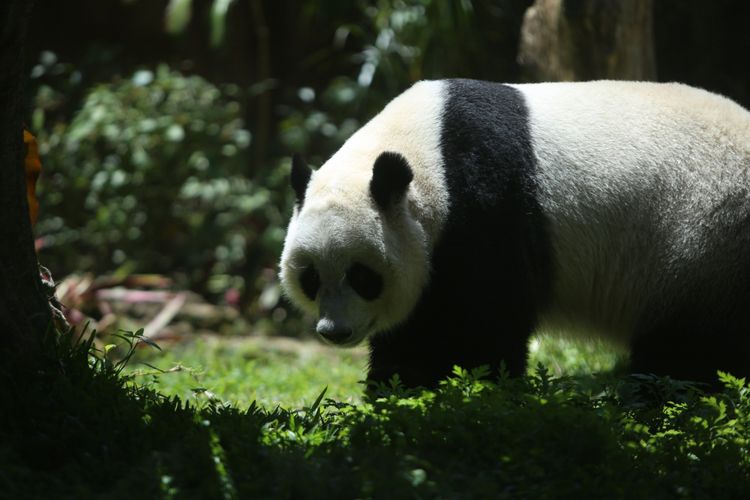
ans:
x=152 y=175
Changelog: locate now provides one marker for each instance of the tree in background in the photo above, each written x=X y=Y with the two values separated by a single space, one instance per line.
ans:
x=24 y=311
x=572 y=40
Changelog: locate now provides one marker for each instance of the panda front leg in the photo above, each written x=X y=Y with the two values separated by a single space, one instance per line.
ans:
x=441 y=334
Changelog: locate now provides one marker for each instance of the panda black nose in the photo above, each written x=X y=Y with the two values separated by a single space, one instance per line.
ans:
x=332 y=332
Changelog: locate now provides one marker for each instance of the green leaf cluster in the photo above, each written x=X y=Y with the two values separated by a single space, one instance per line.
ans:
x=152 y=175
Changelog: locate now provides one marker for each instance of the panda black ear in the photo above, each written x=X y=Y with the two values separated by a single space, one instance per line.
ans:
x=301 y=173
x=391 y=176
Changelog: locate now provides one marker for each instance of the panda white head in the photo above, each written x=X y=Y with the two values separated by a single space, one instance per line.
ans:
x=354 y=254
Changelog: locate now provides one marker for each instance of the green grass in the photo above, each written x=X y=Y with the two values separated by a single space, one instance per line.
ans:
x=573 y=357
x=239 y=370
x=73 y=427
x=290 y=373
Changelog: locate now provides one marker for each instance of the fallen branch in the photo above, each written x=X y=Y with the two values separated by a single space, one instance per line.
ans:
x=168 y=312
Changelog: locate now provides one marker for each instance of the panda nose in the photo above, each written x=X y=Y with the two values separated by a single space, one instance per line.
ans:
x=332 y=332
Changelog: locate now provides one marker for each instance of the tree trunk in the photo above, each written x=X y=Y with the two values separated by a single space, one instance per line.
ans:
x=588 y=39
x=24 y=310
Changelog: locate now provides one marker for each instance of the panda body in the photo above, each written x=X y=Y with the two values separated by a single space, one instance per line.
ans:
x=467 y=215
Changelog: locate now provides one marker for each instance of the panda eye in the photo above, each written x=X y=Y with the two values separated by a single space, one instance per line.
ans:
x=363 y=280
x=310 y=282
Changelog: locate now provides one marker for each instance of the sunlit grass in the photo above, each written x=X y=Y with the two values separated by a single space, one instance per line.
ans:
x=285 y=372
x=240 y=370
x=564 y=356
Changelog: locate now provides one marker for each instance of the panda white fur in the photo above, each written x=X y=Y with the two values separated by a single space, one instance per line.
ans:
x=468 y=214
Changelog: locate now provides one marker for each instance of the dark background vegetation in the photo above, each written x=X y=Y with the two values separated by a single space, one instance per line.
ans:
x=166 y=151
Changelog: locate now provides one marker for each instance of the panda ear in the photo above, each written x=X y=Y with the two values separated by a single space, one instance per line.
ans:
x=391 y=176
x=301 y=173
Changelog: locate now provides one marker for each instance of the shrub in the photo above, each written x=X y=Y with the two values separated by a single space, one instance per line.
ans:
x=152 y=175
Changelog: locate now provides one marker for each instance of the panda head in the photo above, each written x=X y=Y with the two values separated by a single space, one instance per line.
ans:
x=354 y=255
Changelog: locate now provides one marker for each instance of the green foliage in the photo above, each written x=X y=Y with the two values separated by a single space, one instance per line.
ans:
x=178 y=14
x=72 y=426
x=151 y=176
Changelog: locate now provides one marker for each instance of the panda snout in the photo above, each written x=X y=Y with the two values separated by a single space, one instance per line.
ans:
x=333 y=332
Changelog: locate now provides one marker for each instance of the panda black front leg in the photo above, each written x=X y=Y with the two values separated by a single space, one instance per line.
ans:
x=425 y=363
x=462 y=319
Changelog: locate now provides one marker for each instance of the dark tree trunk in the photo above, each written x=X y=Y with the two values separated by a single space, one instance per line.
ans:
x=24 y=310
x=588 y=39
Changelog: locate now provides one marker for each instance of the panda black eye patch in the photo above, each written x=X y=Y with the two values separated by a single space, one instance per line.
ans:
x=367 y=283
x=309 y=280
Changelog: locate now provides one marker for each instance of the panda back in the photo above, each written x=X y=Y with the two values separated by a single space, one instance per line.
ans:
x=646 y=190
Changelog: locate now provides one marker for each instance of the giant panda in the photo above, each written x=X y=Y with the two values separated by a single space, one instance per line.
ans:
x=467 y=215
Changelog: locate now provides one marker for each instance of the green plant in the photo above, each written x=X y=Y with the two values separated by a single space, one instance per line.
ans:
x=152 y=175
x=73 y=426
x=179 y=13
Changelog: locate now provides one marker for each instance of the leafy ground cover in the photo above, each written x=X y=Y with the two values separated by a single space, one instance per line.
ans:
x=76 y=426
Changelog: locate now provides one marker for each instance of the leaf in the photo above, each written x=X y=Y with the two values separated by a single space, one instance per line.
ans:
x=177 y=16
x=316 y=404
x=219 y=11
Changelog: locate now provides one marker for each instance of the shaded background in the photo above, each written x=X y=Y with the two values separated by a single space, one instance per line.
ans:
x=165 y=127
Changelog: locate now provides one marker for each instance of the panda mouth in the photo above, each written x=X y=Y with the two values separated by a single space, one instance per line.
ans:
x=356 y=338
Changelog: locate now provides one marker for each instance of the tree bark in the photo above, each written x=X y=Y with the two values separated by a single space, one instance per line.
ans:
x=588 y=39
x=24 y=311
